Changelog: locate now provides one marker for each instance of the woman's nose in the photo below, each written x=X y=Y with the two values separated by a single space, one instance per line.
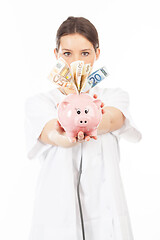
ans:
x=76 y=58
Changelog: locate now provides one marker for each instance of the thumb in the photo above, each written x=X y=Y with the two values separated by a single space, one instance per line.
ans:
x=58 y=125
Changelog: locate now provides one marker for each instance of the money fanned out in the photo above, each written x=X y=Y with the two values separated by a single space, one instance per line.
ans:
x=77 y=77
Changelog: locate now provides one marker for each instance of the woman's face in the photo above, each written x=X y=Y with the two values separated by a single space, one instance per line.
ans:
x=75 y=47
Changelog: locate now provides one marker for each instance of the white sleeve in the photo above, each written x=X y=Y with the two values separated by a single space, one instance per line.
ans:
x=38 y=111
x=120 y=99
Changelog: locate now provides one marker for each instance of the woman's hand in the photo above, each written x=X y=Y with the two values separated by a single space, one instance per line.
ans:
x=81 y=137
x=60 y=129
x=102 y=105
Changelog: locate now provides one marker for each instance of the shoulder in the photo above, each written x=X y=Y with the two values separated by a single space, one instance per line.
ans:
x=42 y=97
x=42 y=100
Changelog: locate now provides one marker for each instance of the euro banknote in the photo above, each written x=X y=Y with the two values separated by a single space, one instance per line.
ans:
x=94 y=78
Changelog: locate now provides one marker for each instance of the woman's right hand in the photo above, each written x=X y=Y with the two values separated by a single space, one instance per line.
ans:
x=60 y=129
x=82 y=138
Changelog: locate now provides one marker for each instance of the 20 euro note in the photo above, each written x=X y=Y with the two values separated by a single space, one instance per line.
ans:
x=95 y=78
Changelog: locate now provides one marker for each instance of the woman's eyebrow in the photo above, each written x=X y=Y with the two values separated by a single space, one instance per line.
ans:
x=65 y=49
x=86 y=49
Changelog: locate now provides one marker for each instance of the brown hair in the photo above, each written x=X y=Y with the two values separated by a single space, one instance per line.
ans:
x=79 y=25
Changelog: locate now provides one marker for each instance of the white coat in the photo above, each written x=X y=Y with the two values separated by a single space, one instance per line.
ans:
x=56 y=213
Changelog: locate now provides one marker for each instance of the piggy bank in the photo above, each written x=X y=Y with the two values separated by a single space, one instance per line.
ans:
x=79 y=112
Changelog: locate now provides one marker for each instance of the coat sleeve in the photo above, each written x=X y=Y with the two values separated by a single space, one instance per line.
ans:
x=119 y=99
x=38 y=111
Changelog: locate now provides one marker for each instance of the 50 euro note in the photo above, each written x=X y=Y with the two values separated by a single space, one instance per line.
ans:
x=61 y=76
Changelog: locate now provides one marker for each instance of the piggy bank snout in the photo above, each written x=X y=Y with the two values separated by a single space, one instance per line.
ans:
x=81 y=121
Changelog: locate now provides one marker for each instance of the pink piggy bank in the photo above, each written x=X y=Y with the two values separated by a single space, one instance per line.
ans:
x=79 y=112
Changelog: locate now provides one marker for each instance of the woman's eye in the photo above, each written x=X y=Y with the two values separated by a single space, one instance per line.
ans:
x=67 y=53
x=85 y=53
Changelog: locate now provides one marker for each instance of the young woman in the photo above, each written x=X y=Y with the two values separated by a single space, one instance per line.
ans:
x=56 y=211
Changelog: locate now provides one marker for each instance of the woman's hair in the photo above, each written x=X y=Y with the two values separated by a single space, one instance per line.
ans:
x=79 y=25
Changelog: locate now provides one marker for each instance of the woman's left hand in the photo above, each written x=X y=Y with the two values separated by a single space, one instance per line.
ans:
x=102 y=104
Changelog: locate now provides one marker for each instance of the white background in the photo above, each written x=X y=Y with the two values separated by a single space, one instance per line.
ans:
x=129 y=33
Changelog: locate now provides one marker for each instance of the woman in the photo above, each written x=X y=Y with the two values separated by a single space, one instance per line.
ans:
x=56 y=210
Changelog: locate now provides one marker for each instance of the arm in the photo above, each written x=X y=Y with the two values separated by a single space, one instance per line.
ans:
x=53 y=134
x=112 y=119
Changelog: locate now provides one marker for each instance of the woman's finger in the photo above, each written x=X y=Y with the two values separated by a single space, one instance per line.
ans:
x=94 y=137
x=102 y=105
x=103 y=111
x=87 y=138
x=80 y=135
x=95 y=96
x=59 y=126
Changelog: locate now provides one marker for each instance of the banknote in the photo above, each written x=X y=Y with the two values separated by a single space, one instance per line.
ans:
x=61 y=75
x=67 y=90
x=63 y=69
x=94 y=78
x=76 y=69
x=61 y=81
x=85 y=73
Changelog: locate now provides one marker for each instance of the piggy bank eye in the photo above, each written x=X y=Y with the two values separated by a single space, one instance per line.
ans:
x=78 y=111
x=86 y=111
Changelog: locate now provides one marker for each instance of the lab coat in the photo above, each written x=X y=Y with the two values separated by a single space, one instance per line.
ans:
x=56 y=213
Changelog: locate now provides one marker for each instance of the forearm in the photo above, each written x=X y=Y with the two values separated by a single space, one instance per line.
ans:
x=105 y=124
x=60 y=140
x=50 y=135
x=112 y=120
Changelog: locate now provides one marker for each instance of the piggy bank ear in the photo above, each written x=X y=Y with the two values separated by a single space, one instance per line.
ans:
x=98 y=102
x=64 y=105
